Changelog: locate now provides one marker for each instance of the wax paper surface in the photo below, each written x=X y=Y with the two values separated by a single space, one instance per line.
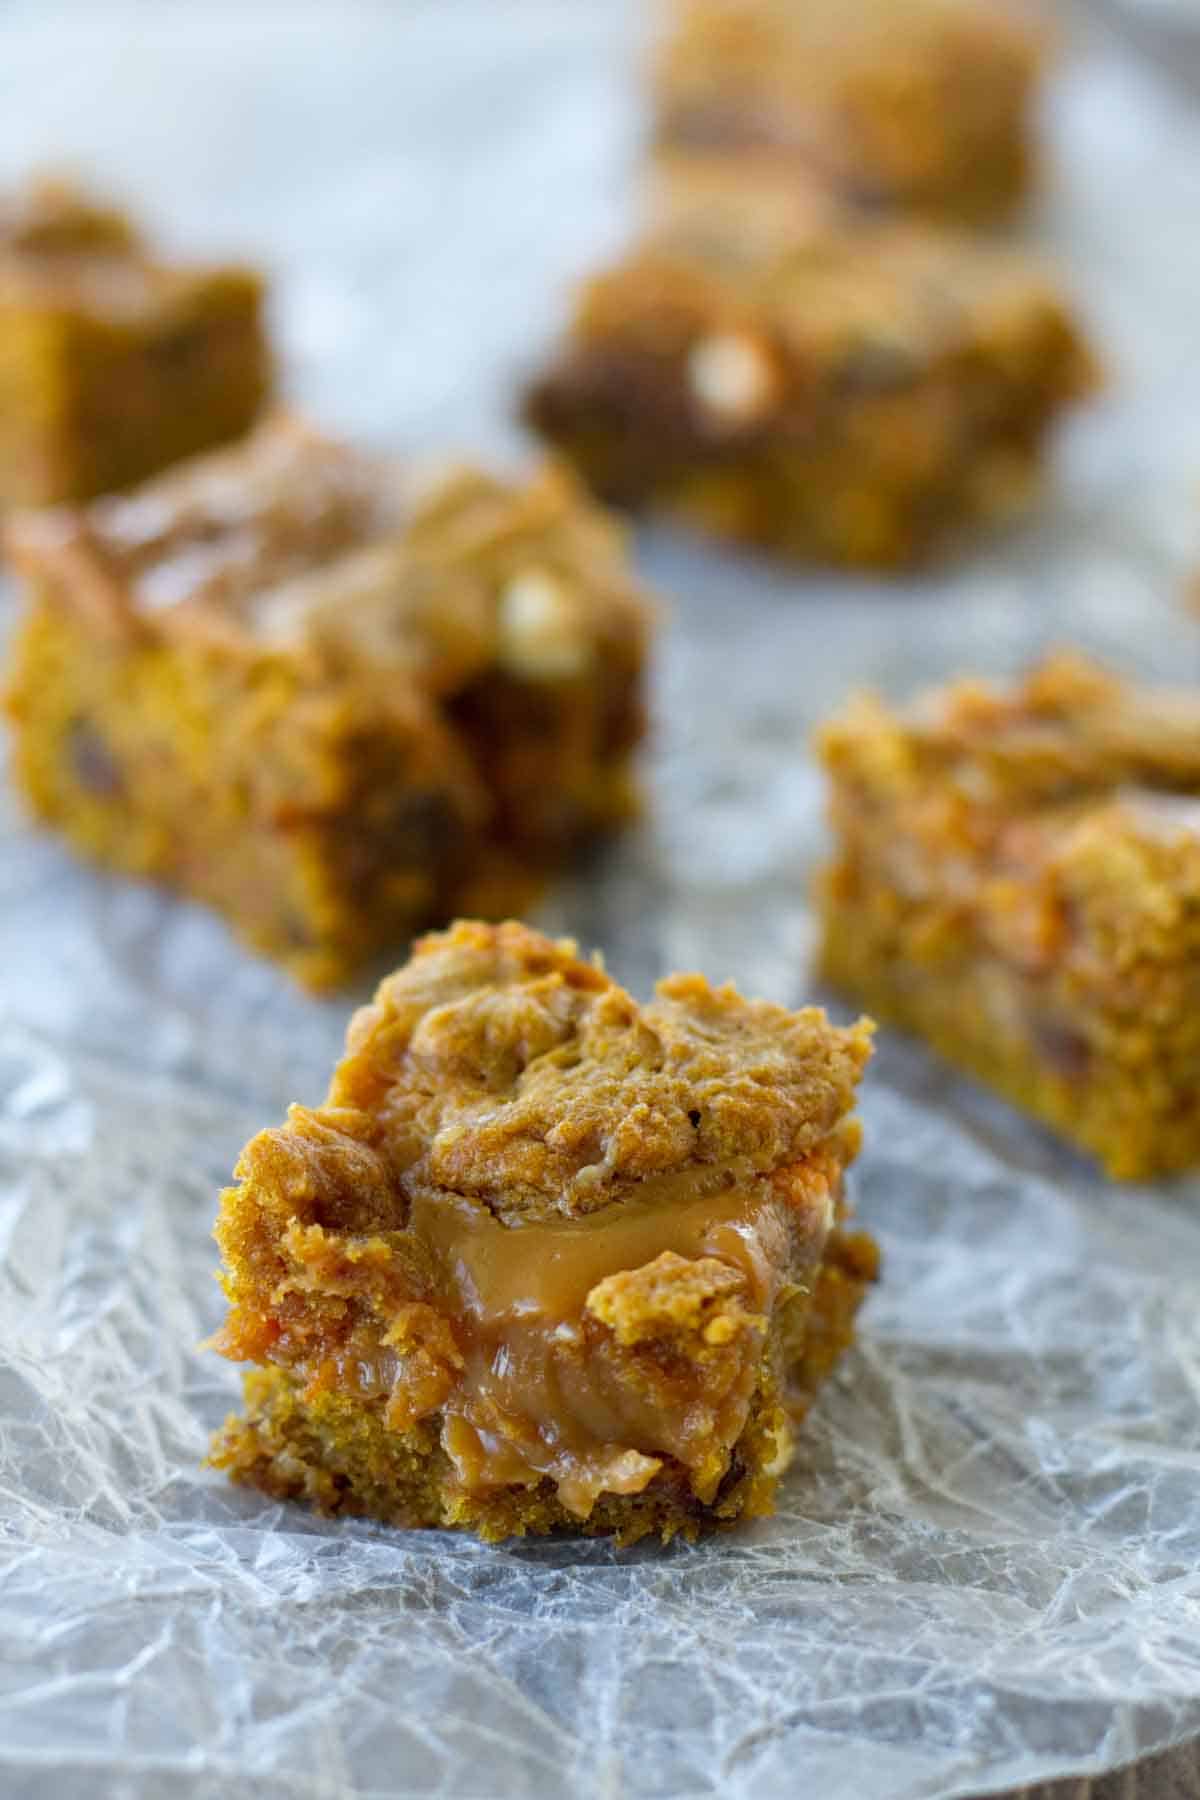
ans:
x=986 y=1563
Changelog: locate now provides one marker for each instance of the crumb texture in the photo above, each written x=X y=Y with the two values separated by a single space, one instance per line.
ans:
x=336 y=698
x=1018 y=878
x=507 y=1068
x=544 y=1250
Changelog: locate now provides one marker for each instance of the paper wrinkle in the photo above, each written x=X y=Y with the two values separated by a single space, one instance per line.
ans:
x=984 y=1569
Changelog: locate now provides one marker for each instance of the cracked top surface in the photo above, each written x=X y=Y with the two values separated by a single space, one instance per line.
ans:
x=291 y=543
x=498 y=1064
x=1060 y=813
x=1068 y=728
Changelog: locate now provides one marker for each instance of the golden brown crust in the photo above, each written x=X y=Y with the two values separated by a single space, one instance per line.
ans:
x=1067 y=727
x=575 y=1239
x=1018 y=877
x=507 y=1068
x=114 y=362
x=294 y=544
x=207 y=537
x=336 y=698
x=780 y=368
x=745 y=242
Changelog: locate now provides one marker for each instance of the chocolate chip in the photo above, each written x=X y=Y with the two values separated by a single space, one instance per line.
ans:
x=94 y=765
x=177 y=348
x=296 y=931
x=876 y=367
x=417 y=830
x=422 y=829
x=1065 y=1050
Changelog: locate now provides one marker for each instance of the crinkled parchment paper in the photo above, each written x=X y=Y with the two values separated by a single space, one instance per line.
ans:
x=986 y=1566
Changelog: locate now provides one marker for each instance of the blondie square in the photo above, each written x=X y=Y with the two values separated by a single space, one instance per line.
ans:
x=895 y=103
x=1017 y=877
x=780 y=369
x=545 y=1258
x=114 y=363
x=324 y=694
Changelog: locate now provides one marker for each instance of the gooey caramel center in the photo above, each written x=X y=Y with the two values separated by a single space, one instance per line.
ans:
x=589 y=1349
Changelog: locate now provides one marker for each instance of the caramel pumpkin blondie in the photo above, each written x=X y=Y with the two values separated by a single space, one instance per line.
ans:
x=113 y=362
x=1017 y=877
x=778 y=368
x=546 y=1258
x=911 y=103
x=325 y=695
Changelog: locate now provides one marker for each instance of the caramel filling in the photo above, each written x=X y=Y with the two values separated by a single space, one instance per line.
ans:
x=589 y=1349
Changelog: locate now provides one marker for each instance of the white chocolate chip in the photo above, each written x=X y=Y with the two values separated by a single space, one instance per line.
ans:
x=732 y=378
x=542 y=634
x=782 y=1455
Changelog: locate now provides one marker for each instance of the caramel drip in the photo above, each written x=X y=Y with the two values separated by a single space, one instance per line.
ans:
x=547 y=1268
x=542 y=1390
